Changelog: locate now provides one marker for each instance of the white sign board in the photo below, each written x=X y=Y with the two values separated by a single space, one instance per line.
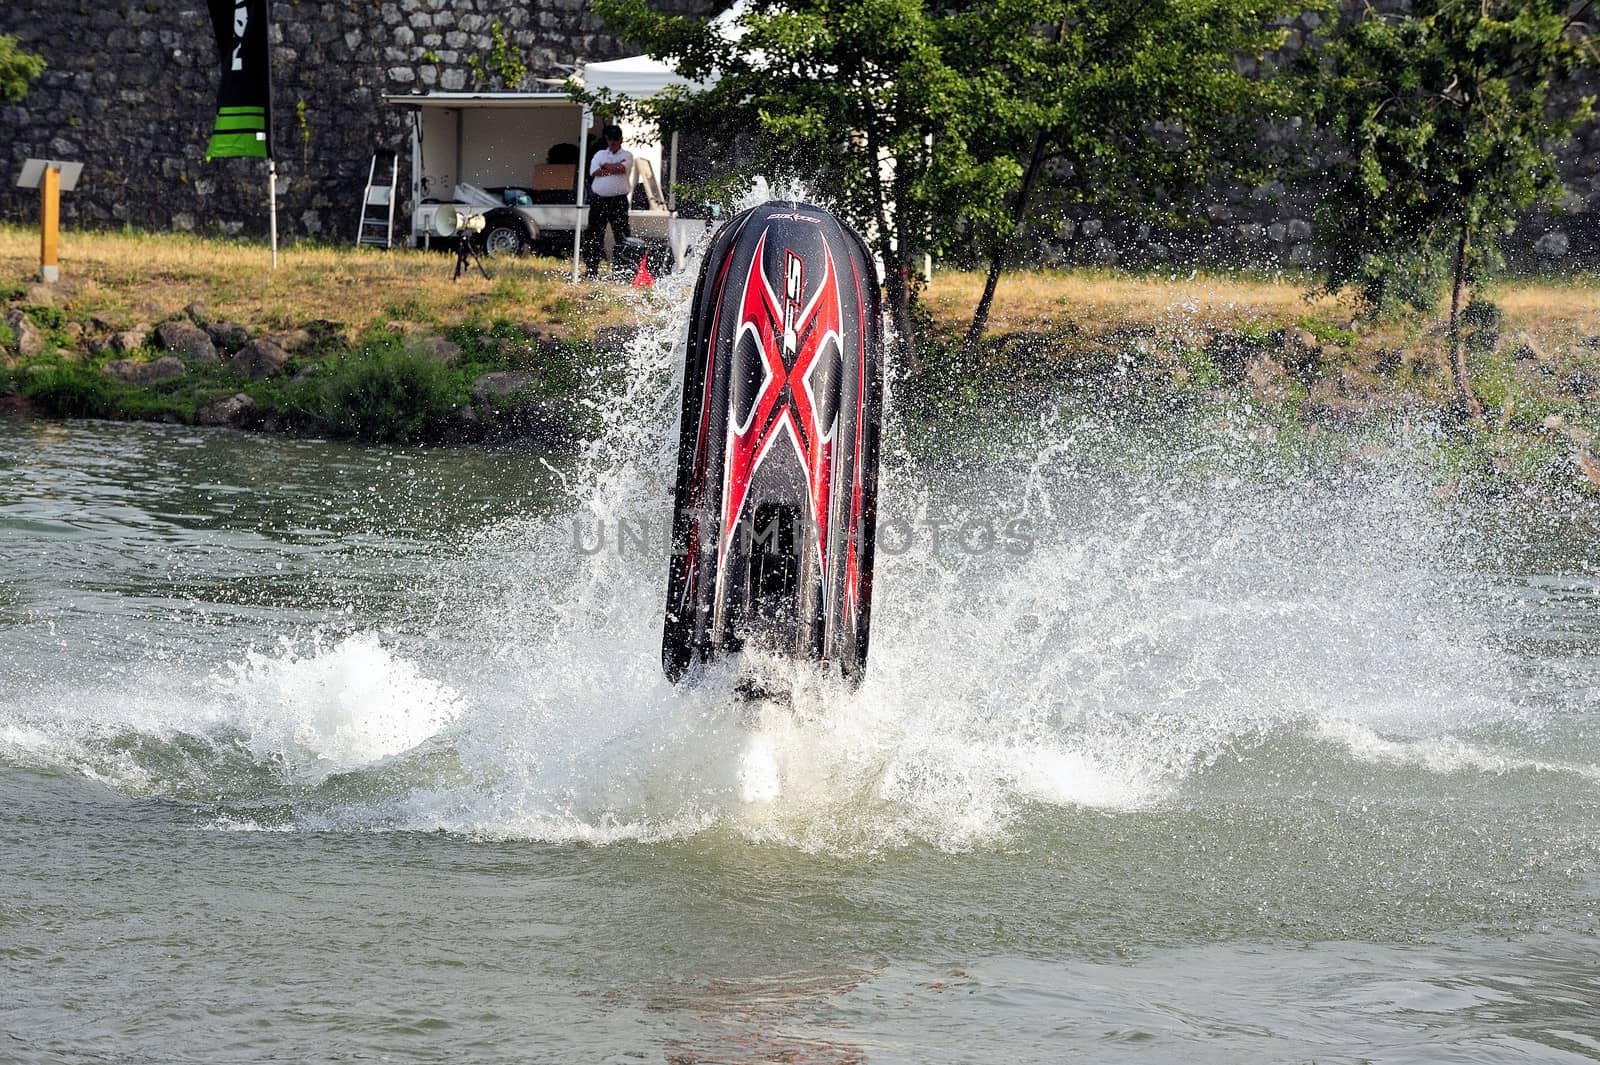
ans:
x=33 y=173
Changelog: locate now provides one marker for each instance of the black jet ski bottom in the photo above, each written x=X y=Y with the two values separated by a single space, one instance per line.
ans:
x=776 y=497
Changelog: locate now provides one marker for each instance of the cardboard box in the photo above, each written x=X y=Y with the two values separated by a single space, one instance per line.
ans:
x=550 y=177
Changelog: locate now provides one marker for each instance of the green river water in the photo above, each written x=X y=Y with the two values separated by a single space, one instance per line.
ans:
x=315 y=752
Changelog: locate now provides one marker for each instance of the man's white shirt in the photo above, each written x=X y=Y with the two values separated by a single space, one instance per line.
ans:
x=612 y=184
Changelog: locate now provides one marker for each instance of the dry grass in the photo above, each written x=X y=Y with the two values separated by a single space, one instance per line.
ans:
x=1101 y=300
x=1556 y=313
x=126 y=280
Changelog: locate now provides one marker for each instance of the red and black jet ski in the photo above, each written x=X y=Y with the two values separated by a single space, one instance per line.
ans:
x=778 y=449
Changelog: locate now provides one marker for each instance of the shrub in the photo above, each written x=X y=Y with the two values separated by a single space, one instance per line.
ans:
x=50 y=319
x=387 y=393
x=68 y=391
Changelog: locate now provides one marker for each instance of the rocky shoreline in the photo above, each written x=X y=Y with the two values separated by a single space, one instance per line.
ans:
x=507 y=383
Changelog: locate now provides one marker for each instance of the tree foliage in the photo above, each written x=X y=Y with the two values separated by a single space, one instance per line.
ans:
x=17 y=70
x=1446 y=117
x=926 y=125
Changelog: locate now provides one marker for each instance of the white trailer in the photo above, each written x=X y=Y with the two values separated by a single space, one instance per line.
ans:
x=470 y=148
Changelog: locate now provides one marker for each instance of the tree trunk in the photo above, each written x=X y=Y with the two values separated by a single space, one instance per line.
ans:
x=897 y=268
x=980 y=317
x=891 y=249
x=1458 y=352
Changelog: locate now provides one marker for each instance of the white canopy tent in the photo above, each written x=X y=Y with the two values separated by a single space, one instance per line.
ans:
x=639 y=78
x=465 y=142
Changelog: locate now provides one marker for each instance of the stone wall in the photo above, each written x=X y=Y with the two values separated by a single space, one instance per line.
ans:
x=1270 y=225
x=131 y=90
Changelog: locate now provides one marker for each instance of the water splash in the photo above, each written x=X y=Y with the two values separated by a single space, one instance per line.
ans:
x=1167 y=613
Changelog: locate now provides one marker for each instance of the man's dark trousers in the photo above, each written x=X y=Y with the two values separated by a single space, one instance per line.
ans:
x=603 y=211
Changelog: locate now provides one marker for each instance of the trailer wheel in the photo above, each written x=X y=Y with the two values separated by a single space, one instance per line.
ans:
x=502 y=239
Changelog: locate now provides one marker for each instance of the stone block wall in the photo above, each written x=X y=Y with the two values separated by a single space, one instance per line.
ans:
x=131 y=91
x=1270 y=225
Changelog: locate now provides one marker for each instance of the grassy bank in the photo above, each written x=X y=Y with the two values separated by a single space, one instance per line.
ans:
x=385 y=346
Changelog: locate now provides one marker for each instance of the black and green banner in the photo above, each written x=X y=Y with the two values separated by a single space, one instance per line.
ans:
x=244 y=100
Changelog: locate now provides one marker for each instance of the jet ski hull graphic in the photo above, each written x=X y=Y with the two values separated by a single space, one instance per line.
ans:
x=776 y=498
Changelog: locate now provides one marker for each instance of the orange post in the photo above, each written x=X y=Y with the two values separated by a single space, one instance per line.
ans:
x=49 y=223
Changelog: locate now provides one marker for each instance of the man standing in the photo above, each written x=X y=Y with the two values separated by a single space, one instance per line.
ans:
x=612 y=184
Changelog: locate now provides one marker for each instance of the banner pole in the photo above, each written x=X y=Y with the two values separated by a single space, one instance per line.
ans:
x=272 y=211
x=584 y=118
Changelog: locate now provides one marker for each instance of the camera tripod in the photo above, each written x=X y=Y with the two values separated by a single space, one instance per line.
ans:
x=467 y=257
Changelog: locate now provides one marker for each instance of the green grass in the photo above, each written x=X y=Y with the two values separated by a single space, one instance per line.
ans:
x=386 y=393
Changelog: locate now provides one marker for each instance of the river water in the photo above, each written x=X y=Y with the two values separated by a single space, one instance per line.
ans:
x=316 y=752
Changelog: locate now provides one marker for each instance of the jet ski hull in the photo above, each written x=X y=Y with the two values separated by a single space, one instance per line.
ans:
x=776 y=497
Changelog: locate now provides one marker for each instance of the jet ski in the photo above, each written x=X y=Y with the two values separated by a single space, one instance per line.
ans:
x=776 y=496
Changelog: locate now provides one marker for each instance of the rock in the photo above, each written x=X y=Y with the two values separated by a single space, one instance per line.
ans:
x=1557 y=424
x=503 y=383
x=1266 y=376
x=18 y=405
x=130 y=340
x=1587 y=465
x=135 y=372
x=1521 y=347
x=197 y=313
x=41 y=294
x=1102 y=252
x=1580 y=383
x=228 y=337
x=464 y=426
x=543 y=423
x=1303 y=338
x=233 y=412
x=259 y=360
x=31 y=341
x=442 y=351
x=187 y=339
x=295 y=340
x=1553 y=244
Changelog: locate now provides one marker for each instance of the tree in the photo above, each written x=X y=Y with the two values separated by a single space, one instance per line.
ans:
x=858 y=99
x=928 y=125
x=17 y=70
x=1446 y=118
x=1133 y=103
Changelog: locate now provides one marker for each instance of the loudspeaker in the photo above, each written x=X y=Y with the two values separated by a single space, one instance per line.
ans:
x=448 y=221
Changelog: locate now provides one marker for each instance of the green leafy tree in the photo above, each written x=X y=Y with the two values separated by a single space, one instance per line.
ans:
x=860 y=100
x=1127 y=104
x=927 y=126
x=17 y=70
x=1446 y=117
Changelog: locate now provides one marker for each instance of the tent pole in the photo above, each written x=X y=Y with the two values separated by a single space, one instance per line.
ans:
x=272 y=206
x=583 y=167
x=672 y=177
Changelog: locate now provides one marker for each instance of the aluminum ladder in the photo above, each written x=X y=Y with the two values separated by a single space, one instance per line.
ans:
x=377 y=206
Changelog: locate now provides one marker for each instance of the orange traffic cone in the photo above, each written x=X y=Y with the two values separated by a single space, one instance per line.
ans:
x=643 y=278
